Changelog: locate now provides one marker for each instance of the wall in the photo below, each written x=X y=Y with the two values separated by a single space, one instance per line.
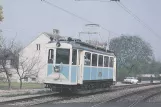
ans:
x=31 y=51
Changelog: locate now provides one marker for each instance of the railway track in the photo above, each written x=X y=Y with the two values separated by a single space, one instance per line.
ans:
x=144 y=99
x=143 y=94
x=133 y=85
x=115 y=88
x=26 y=98
x=56 y=97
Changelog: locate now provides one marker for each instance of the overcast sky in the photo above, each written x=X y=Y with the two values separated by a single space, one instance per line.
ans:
x=29 y=18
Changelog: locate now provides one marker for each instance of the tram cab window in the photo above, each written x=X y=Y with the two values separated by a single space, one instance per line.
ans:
x=100 y=61
x=50 y=56
x=106 y=58
x=111 y=61
x=62 y=56
x=87 y=58
x=94 y=59
x=74 y=57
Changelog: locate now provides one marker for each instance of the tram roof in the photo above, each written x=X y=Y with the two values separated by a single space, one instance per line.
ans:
x=92 y=48
x=78 y=44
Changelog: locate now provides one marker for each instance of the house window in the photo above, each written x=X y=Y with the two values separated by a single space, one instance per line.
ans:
x=10 y=75
x=33 y=79
x=26 y=79
x=38 y=46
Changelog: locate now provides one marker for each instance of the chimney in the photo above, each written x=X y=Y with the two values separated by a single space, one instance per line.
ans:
x=55 y=32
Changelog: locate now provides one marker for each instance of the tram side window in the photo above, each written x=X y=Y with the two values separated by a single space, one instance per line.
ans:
x=100 y=61
x=74 y=57
x=94 y=59
x=87 y=58
x=106 y=58
x=62 y=56
x=111 y=61
x=50 y=56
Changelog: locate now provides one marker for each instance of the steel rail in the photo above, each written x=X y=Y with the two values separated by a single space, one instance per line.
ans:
x=68 y=97
x=124 y=96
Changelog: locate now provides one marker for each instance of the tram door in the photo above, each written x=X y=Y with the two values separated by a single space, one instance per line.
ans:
x=51 y=61
x=81 y=65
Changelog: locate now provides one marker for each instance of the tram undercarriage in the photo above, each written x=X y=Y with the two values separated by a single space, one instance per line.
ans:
x=90 y=86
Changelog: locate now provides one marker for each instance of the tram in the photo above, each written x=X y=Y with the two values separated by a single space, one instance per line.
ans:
x=77 y=66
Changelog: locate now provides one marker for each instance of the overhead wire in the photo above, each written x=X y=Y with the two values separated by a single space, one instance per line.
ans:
x=75 y=15
x=137 y=19
x=134 y=16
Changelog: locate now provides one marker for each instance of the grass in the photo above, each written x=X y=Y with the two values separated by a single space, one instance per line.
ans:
x=25 y=93
x=14 y=95
x=15 y=85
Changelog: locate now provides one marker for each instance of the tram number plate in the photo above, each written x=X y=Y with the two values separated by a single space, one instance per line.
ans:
x=100 y=74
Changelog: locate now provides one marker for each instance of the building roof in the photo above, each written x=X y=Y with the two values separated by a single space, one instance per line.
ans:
x=48 y=35
x=51 y=35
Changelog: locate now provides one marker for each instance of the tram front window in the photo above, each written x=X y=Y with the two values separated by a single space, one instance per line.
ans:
x=62 y=56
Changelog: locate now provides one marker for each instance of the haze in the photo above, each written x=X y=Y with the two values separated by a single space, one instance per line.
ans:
x=26 y=19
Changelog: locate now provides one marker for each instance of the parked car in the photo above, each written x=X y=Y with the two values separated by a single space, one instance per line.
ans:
x=131 y=80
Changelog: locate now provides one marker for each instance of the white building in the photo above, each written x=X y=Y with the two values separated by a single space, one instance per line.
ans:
x=32 y=60
x=36 y=49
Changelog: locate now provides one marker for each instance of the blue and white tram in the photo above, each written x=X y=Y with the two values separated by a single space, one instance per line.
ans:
x=77 y=66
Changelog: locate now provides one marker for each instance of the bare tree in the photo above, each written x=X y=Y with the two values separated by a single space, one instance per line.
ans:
x=6 y=57
x=12 y=61
x=27 y=66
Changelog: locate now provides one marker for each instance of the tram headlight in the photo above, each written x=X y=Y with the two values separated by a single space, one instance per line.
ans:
x=58 y=44
x=57 y=69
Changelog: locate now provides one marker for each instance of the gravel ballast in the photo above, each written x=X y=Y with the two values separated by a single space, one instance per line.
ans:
x=95 y=98
x=105 y=96
x=155 y=99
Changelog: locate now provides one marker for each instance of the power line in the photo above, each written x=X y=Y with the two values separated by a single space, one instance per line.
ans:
x=132 y=14
x=75 y=15
x=137 y=18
